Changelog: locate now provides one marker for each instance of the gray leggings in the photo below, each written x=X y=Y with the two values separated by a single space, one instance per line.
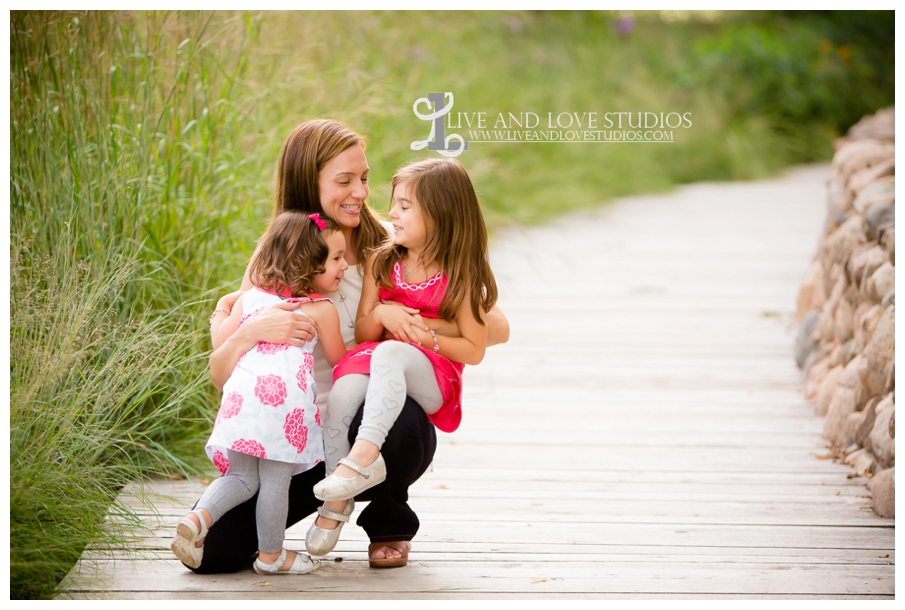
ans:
x=397 y=369
x=247 y=475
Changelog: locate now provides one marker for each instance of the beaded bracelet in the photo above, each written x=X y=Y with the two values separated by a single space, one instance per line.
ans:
x=216 y=311
x=436 y=344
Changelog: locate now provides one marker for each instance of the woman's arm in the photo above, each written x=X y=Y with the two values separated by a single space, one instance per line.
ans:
x=279 y=323
x=469 y=348
x=222 y=367
x=276 y=324
x=497 y=327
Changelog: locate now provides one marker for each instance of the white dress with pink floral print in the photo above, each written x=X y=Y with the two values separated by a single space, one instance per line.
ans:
x=268 y=408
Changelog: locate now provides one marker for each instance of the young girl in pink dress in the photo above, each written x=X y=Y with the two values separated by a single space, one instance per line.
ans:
x=268 y=427
x=437 y=267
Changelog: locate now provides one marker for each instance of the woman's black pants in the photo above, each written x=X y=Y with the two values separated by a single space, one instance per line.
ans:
x=232 y=541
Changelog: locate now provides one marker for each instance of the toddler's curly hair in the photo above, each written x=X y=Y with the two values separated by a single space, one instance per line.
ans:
x=291 y=253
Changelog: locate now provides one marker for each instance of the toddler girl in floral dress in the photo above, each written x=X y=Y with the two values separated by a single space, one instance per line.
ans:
x=268 y=427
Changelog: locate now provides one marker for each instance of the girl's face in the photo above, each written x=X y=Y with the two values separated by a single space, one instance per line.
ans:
x=343 y=186
x=409 y=227
x=328 y=281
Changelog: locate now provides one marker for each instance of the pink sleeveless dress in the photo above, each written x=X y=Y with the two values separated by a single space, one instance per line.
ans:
x=426 y=297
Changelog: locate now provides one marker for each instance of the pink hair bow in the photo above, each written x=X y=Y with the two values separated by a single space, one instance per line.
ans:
x=316 y=218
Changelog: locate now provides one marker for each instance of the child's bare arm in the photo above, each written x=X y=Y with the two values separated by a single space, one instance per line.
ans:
x=469 y=348
x=374 y=317
x=326 y=318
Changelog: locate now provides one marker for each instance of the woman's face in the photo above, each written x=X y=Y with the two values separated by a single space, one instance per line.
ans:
x=343 y=185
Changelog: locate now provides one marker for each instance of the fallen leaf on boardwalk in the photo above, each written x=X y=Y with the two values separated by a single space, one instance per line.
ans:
x=823 y=457
x=440 y=486
x=538 y=580
x=537 y=504
x=838 y=492
x=852 y=475
x=884 y=556
x=204 y=481
x=266 y=584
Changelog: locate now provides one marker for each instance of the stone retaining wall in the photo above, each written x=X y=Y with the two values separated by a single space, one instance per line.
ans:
x=846 y=308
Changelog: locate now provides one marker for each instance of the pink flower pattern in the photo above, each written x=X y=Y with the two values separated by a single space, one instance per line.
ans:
x=250 y=447
x=232 y=404
x=221 y=462
x=271 y=348
x=264 y=412
x=248 y=315
x=301 y=376
x=295 y=430
x=270 y=390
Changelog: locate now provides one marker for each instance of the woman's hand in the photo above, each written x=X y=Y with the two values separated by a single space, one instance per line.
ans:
x=400 y=322
x=279 y=323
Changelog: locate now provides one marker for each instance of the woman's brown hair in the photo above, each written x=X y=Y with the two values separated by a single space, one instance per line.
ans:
x=456 y=235
x=292 y=251
x=307 y=150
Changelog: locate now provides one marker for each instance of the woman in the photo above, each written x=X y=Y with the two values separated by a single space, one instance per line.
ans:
x=328 y=174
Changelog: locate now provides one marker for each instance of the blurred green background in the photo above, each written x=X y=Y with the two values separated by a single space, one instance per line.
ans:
x=143 y=150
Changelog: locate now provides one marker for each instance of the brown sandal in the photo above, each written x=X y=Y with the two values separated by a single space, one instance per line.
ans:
x=403 y=547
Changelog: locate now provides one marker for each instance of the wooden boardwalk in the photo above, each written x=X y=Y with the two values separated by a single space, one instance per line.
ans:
x=642 y=435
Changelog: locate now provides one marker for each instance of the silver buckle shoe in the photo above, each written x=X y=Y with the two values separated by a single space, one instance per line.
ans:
x=301 y=565
x=319 y=541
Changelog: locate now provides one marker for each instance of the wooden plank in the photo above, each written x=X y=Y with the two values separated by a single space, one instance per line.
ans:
x=539 y=576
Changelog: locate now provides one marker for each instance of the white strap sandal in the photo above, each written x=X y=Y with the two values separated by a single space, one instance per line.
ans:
x=301 y=565
x=187 y=534
x=334 y=488
x=319 y=541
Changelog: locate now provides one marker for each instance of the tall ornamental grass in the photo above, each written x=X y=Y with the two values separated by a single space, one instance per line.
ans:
x=128 y=197
x=143 y=148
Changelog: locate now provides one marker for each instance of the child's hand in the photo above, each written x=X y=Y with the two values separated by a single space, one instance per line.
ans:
x=400 y=322
x=425 y=338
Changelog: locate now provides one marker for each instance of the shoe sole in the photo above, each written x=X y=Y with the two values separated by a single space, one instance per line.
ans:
x=316 y=565
x=388 y=563
x=183 y=546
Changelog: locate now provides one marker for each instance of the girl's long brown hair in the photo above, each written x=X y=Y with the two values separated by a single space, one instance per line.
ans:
x=292 y=251
x=456 y=235
x=308 y=148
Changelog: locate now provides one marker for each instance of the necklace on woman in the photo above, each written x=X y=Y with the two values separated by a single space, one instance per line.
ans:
x=342 y=299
